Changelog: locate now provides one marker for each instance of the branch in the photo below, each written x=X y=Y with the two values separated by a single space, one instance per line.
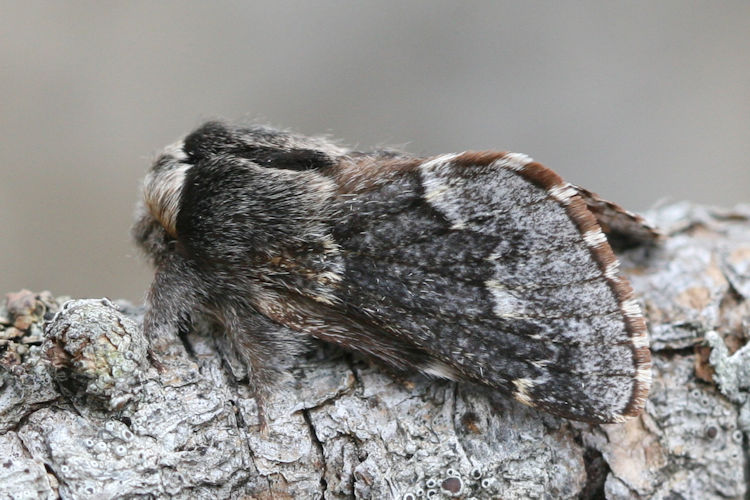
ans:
x=83 y=414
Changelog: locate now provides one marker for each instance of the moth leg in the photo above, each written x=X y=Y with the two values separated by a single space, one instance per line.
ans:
x=174 y=293
x=266 y=347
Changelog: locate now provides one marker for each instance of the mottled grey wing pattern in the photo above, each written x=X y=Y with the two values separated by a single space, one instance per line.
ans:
x=497 y=269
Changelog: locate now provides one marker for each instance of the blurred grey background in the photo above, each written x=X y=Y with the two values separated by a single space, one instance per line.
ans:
x=639 y=101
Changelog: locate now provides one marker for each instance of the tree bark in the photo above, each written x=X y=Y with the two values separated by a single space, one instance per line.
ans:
x=84 y=414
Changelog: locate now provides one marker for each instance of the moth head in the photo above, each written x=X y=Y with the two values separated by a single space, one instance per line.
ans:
x=162 y=186
x=156 y=214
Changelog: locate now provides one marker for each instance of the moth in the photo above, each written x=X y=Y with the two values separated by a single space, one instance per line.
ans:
x=483 y=267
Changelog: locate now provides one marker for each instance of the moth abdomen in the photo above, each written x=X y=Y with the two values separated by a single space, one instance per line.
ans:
x=484 y=266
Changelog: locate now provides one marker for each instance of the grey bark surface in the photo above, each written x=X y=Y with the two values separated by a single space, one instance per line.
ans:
x=83 y=414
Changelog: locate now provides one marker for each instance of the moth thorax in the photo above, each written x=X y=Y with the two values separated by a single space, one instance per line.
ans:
x=162 y=189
